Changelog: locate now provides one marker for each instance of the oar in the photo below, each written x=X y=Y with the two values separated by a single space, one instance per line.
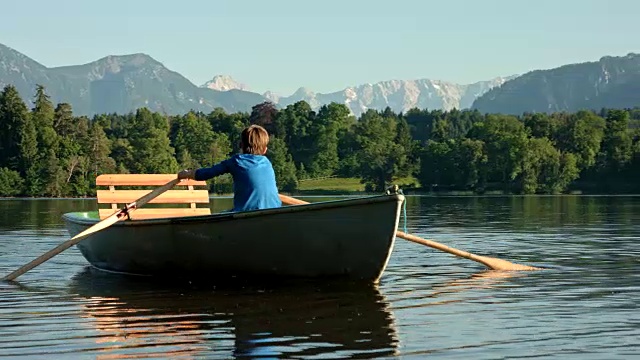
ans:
x=492 y=263
x=112 y=219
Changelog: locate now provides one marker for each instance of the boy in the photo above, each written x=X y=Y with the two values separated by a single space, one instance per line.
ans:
x=254 y=181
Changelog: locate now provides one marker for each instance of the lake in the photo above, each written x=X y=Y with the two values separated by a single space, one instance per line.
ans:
x=585 y=305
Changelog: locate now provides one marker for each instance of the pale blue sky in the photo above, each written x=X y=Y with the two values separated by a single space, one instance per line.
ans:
x=326 y=45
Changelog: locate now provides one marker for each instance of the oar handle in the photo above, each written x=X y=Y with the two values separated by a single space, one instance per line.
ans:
x=112 y=219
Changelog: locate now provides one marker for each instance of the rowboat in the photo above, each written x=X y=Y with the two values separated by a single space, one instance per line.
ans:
x=347 y=238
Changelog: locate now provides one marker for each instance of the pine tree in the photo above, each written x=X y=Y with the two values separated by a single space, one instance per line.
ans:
x=13 y=122
x=29 y=156
x=99 y=151
x=152 y=151
x=42 y=116
x=283 y=165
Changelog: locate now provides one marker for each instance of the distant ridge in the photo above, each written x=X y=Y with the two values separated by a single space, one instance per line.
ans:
x=611 y=82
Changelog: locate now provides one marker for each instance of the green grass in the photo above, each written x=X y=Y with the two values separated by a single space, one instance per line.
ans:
x=345 y=185
x=331 y=184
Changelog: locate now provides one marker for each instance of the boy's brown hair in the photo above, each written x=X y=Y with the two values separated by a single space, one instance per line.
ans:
x=254 y=140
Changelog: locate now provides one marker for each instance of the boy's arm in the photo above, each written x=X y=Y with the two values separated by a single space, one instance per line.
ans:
x=220 y=168
x=216 y=170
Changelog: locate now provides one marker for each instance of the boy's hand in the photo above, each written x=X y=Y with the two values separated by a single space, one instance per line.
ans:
x=186 y=174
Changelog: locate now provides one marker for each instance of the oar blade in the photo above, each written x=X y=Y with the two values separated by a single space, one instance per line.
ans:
x=503 y=265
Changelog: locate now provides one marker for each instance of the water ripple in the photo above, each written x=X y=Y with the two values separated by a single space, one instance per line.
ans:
x=428 y=303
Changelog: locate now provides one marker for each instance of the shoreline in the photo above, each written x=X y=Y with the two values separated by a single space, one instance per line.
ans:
x=333 y=193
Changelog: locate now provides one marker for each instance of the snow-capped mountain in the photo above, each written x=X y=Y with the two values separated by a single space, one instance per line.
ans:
x=224 y=83
x=399 y=95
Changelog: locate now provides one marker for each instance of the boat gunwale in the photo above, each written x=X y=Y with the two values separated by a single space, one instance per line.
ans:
x=73 y=217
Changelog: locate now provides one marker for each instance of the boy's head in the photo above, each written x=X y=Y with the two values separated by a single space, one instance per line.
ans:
x=254 y=140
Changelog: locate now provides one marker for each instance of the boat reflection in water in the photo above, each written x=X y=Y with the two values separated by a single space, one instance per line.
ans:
x=136 y=318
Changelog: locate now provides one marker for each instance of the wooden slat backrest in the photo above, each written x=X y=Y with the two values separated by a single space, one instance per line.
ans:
x=142 y=179
x=178 y=195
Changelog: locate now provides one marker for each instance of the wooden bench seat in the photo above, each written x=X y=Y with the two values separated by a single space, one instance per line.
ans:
x=182 y=194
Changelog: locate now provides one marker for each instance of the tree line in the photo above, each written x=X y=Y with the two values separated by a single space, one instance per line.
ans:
x=48 y=151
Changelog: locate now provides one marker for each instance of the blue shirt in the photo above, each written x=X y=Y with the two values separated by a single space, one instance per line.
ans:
x=254 y=181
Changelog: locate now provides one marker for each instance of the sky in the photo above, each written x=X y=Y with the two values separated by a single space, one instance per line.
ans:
x=326 y=45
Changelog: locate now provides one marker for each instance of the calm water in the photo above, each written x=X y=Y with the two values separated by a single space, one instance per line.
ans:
x=428 y=304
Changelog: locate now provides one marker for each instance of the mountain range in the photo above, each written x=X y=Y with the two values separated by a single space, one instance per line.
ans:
x=122 y=84
x=399 y=95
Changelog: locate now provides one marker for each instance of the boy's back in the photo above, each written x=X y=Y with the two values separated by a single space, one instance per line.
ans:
x=254 y=181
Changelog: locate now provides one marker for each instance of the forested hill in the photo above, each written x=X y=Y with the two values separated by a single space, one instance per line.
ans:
x=49 y=151
x=611 y=82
